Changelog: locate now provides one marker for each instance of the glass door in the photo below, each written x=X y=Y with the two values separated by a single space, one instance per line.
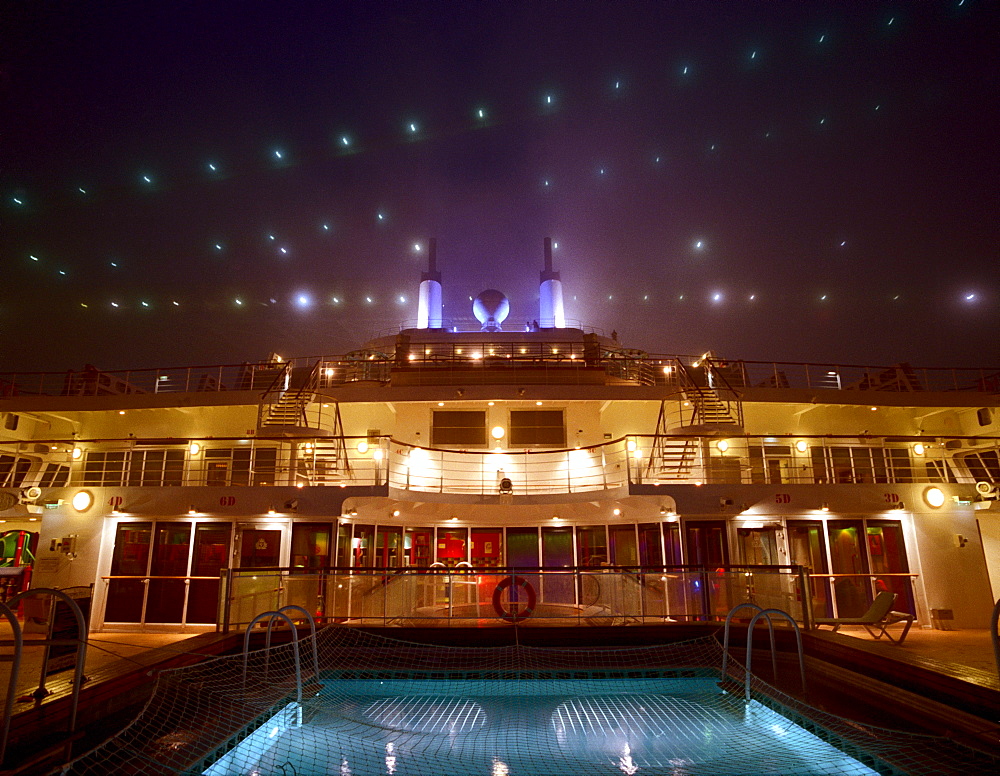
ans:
x=259 y=547
x=557 y=558
x=487 y=547
x=165 y=599
x=807 y=547
x=388 y=547
x=129 y=567
x=417 y=547
x=849 y=565
x=887 y=553
x=211 y=549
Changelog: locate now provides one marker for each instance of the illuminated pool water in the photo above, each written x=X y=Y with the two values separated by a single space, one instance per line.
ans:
x=417 y=727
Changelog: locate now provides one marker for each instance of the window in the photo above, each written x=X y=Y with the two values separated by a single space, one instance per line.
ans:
x=463 y=428
x=55 y=476
x=984 y=416
x=232 y=466
x=768 y=462
x=537 y=428
x=10 y=421
x=861 y=464
x=156 y=467
x=151 y=468
x=13 y=470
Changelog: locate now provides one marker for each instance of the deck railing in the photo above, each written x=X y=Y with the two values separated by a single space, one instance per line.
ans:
x=467 y=596
x=639 y=459
x=555 y=363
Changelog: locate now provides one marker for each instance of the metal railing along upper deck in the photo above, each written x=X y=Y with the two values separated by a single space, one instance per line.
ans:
x=552 y=363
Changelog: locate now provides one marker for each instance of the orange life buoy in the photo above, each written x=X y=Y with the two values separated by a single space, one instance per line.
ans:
x=513 y=615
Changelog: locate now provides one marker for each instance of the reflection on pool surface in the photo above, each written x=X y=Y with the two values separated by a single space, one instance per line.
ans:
x=677 y=726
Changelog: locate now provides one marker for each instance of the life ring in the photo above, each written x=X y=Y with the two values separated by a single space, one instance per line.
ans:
x=513 y=615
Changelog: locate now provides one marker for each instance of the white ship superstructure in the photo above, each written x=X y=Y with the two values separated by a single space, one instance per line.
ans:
x=496 y=450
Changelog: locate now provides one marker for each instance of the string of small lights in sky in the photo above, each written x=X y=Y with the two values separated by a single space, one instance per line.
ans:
x=291 y=240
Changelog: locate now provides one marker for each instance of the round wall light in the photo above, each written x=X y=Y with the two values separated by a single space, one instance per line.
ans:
x=934 y=497
x=363 y=447
x=194 y=448
x=82 y=500
x=802 y=445
x=497 y=432
x=918 y=448
x=723 y=445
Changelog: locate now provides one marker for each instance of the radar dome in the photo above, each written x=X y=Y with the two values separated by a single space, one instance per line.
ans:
x=490 y=308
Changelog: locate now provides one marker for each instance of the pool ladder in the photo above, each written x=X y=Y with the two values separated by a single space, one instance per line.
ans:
x=280 y=614
x=766 y=614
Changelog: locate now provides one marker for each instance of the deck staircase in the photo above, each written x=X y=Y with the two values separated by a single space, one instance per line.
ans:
x=673 y=458
x=283 y=405
x=709 y=408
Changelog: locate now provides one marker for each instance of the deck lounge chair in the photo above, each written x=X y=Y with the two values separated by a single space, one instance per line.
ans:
x=876 y=620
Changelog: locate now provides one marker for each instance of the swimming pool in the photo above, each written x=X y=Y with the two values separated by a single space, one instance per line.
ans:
x=352 y=703
x=531 y=726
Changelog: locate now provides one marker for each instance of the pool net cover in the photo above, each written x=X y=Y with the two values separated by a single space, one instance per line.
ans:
x=385 y=706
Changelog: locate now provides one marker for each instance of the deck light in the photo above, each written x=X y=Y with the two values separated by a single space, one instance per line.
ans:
x=802 y=446
x=192 y=510
x=497 y=432
x=77 y=453
x=630 y=445
x=362 y=447
x=395 y=513
x=918 y=449
x=934 y=497
x=82 y=500
x=377 y=455
x=194 y=448
x=616 y=511
x=824 y=507
x=270 y=510
x=723 y=445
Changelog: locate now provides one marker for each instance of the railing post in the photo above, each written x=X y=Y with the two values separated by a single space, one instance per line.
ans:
x=805 y=586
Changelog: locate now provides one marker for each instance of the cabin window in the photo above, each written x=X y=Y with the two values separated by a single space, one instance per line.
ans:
x=458 y=428
x=10 y=421
x=151 y=468
x=985 y=416
x=13 y=470
x=156 y=468
x=241 y=466
x=537 y=428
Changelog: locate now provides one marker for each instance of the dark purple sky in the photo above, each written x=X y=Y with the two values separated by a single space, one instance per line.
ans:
x=813 y=181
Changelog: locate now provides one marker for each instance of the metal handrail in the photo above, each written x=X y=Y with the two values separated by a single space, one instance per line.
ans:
x=15 y=671
x=269 y=616
x=798 y=643
x=725 y=638
x=777 y=374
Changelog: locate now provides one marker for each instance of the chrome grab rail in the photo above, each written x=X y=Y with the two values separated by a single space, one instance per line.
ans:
x=798 y=643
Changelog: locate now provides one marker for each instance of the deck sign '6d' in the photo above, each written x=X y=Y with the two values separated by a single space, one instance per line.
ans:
x=227 y=501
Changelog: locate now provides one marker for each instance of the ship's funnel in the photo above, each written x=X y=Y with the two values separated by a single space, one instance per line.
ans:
x=551 y=313
x=491 y=309
x=429 y=304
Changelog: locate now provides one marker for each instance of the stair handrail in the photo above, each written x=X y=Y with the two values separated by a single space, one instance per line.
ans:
x=687 y=381
x=721 y=376
x=798 y=644
x=272 y=388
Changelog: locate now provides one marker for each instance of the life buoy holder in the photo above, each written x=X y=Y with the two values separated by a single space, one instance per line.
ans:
x=513 y=615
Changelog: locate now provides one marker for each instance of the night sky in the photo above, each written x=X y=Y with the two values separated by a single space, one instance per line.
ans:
x=207 y=182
